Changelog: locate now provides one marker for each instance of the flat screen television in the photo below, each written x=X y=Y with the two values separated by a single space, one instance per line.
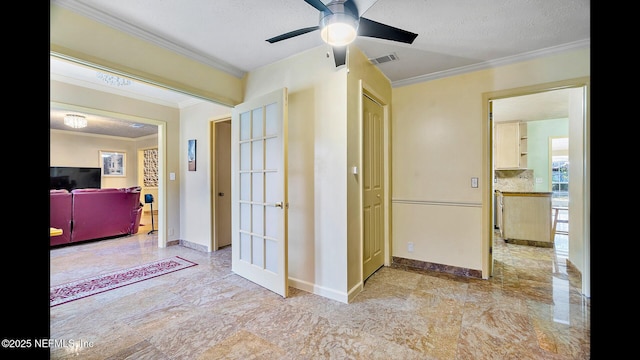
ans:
x=64 y=177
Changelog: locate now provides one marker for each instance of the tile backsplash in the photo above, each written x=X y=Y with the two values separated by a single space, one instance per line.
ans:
x=514 y=180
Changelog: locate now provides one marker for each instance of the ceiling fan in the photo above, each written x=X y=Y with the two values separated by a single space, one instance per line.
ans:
x=339 y=25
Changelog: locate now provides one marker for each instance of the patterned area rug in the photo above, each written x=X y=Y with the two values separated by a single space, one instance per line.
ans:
x=65 y=293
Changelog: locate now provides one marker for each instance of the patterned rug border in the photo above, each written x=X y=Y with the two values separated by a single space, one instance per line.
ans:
x=64 y=293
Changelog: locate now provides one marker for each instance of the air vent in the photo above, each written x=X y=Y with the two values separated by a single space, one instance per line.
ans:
x=383 y=59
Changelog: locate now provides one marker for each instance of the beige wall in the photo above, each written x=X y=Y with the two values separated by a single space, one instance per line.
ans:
x=317 y=167
x=439 y=142
x=68 y=148
x=195 y=186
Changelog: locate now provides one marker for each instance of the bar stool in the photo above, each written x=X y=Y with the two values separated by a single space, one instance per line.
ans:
x=148 y=199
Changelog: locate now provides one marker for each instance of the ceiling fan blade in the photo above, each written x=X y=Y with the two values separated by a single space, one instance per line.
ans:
x=291 y=34
x=340 y=55
x=319 y=5
x=378 y=30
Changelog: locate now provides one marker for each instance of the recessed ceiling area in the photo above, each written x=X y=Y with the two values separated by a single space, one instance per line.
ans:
x=540 y=106
x=87 y=77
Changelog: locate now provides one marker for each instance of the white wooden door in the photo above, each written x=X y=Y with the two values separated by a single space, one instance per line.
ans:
x=259 y=191
x=372 y=186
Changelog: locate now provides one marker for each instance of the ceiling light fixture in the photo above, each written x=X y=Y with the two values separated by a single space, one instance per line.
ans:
x=112 y=79
x=75 y=121
x=340 y=27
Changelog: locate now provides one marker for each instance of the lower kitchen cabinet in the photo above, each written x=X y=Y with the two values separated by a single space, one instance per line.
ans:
x=526 y=218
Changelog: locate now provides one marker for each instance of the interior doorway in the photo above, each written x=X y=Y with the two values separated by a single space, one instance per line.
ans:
x=542 y=125
x=559 y=163
x=222 y=183
x=148 y=180
x=574 y=102
x=373 y=253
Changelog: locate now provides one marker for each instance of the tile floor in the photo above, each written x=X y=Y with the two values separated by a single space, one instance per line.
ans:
x=530 y=309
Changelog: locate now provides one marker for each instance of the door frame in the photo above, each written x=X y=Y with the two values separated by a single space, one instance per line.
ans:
x=214 y=179
x=488 y=198
x=377 y=97
x=267 y=266
x=162 y=155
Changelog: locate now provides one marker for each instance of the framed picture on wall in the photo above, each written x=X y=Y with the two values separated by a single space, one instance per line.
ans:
x=113 y=163
x=191 y=155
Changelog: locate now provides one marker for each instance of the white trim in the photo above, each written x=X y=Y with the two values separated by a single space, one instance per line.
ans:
x=494 y=63
x=131 y=29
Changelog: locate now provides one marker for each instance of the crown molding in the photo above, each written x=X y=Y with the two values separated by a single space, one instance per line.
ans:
x=495 y=63
x=131 y=29
x=112 y=137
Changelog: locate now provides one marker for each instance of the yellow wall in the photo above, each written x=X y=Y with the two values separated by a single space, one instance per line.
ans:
x=317 y=167
x=325 y=237
x=439 y=143
x=80 y=38
x=363 y=76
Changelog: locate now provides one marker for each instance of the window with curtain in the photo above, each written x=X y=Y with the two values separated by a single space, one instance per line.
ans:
x=151 y=168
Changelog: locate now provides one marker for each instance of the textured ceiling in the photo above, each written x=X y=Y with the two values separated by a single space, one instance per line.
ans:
x=454 y=36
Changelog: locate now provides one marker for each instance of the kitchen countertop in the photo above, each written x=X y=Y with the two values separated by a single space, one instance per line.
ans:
x=524 y=193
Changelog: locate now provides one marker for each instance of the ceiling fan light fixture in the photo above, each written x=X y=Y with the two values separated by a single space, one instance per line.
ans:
x=338 y=29
x=75 y=121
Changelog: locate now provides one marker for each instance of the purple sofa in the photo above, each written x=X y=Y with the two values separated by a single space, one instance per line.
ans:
x=94 y=214
x=60 y=206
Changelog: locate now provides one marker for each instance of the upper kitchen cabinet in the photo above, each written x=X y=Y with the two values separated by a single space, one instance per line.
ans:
x=510 y=145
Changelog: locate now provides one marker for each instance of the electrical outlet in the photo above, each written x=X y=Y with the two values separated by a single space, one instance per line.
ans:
x=474 y=182
x=410 y=247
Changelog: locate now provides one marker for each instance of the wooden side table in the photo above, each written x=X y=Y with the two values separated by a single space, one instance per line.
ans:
x=55 y=231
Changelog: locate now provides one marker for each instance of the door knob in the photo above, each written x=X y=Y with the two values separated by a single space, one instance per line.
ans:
x=279 y=204
x=220 y=194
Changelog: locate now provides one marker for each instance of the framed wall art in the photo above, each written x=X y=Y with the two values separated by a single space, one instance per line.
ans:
x=191 y=155
x=113 y=163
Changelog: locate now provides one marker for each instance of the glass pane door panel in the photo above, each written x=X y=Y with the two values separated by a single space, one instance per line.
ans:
x=245 y=156
x=258 y=251
x=257 y=221
x=245 y=217
x=245 y=247
x=245 y=126
x=256 y=131
x=245 y=186
x=270 y=222
x=258 y=187
x=274 y=151
x=271 y=179
x=257 y=156
x=271 y=250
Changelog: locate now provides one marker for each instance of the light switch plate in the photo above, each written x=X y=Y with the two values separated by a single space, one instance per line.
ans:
x=474 y=182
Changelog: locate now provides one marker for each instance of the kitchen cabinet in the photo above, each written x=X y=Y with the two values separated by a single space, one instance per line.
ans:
x=526 y=218
x=510 y=145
